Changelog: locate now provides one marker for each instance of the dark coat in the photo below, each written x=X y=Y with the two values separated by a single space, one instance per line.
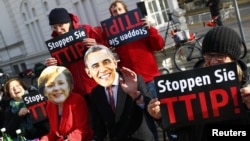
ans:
x=127 y=118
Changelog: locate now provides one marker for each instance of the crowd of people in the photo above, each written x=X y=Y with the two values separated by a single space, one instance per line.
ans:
x=98 y=97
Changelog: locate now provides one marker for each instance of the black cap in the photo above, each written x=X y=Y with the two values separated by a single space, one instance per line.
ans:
x=222 y=39
x=59 y=16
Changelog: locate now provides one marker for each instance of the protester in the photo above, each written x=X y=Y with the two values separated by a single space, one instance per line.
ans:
x=62 y=22
x=67 y=110
x=17 y=115
x=120 y=115
x=214 y=7
x=139 y=54
x=220 y=45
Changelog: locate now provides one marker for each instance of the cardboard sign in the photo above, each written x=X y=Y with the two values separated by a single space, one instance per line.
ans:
x=124 y=28
x=68 y=47
x=36 y=103
x=206 y=94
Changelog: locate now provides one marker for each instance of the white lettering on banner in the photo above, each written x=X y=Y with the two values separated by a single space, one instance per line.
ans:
x=133 y=33
x=60 y=43
x=222 y=75
x=34 y=99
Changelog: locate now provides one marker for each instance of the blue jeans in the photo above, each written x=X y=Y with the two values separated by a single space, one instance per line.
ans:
x=151 y=87
x=150 y=121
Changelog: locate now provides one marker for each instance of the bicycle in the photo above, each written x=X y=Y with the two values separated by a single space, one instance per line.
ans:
x=166 y=64
x=188 y=53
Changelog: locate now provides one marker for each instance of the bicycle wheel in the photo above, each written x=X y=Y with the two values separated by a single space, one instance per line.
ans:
x=243 y=50
x=186 y=56
x=164 y=70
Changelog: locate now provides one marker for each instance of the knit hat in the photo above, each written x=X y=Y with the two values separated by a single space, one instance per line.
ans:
x=222 y=39
x=59 y=16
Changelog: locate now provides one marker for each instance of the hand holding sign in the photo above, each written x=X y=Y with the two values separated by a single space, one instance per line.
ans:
x=23 y=112
x=154 y=108
x=146 y=23
x=89 y=42
x=51 y=61
x=245 y=94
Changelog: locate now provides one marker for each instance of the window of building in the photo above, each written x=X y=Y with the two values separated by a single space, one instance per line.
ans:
x=32 y=24
x=23 y=66
x=157 y=10
x=16 y=69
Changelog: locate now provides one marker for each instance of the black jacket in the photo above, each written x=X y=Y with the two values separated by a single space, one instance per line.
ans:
x=127 y=118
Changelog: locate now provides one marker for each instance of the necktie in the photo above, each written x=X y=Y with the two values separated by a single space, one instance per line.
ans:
x=111 y=98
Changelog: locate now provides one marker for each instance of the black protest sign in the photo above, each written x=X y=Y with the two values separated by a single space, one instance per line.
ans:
x=36 y=103
x=67 y=48
x=124 y=28
x=206 y=94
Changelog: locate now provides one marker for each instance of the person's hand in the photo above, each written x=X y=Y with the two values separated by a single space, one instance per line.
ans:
x=89 y=42
x=23 y=112
x=50 y=62
x=146 y=23
x=129 y=82
x=245 y=94
x=154 y=108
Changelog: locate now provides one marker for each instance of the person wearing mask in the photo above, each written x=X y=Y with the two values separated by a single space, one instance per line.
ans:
x=139 y=55
x=61 y=22
x=119 y=100
x=220 y=45
x=17 y=115
x=67 y=110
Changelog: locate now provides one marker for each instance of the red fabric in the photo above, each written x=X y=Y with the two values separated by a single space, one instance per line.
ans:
x=83 y=84
x=139 y=55
x=73 y=123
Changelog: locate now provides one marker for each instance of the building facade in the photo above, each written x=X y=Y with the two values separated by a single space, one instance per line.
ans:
x=24 y=26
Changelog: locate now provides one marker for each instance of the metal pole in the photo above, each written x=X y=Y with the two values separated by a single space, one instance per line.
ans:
x=239 y=20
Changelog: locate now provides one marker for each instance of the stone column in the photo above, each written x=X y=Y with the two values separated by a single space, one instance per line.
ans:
x=178 y=13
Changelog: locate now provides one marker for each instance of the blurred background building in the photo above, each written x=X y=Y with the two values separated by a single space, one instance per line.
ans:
x=24 y=26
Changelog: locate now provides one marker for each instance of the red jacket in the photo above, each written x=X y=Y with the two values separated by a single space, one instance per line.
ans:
x=74 y=120
x=139 y=55
x=82 y=83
